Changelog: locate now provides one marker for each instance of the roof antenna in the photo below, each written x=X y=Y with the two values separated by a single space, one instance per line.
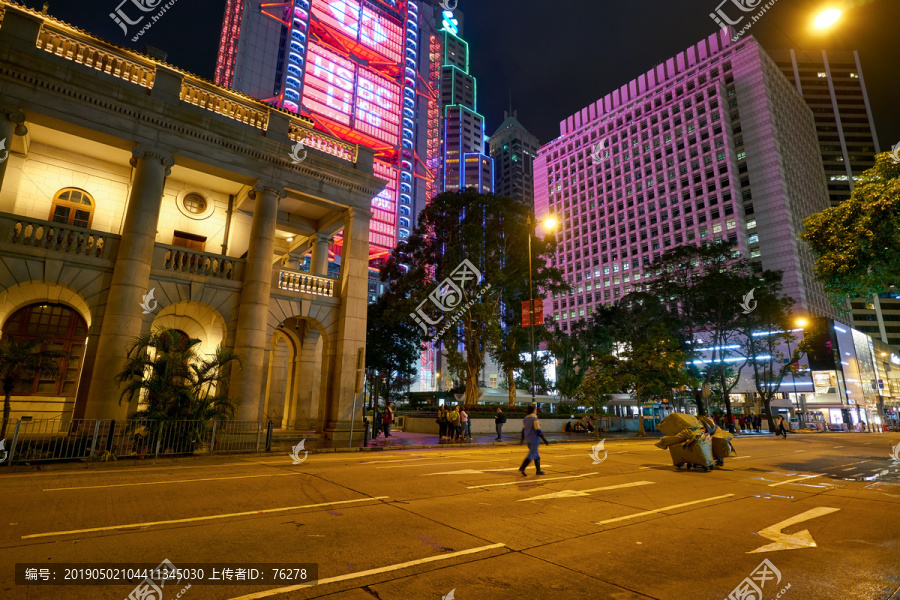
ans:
x=510 y=102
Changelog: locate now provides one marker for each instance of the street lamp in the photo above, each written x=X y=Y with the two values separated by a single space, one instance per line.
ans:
x=801 y=323
x=550 y=224
x=827 y=18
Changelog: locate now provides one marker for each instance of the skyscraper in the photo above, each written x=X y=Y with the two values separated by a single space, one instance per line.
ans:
x=465 y=163
x=833 y=86
x=712 y=144
x=351 y=67
x=514 y=149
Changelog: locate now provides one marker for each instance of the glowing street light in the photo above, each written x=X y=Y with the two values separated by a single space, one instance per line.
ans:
x=550 y=224
x=827 y=18
x=801 y=322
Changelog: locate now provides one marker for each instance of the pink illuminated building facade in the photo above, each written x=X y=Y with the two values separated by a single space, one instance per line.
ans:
x=713 y=144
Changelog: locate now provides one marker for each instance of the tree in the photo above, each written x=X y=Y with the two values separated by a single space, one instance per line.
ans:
x=490 y=232
x=21 y=362
x=574 y=352
x=165 y=372
x=856 y=245
x=702 y=289
x=765 y=332
x=393 y=343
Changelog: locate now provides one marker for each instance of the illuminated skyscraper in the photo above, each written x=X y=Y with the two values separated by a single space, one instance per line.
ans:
x=354 y=68
x=465 y=163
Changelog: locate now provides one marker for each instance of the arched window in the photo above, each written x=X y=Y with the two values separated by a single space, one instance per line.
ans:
x=63 y=329
x=72 y=206
x=404 y=222
x=404 y=210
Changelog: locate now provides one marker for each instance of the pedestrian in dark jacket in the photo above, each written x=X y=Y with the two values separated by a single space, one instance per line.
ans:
x=442 y=421
x=532 y=435
x=387 y=418
x=499 y=420
x=780 y=428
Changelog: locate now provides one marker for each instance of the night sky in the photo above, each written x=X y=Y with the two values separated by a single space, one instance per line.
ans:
x=558 y=57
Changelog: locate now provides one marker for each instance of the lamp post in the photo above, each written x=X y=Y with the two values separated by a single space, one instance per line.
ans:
x=549 y=223
x=801 y=323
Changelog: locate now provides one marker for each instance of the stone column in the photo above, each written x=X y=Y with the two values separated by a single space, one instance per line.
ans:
x=319 y=263
x=123 y=315
x=253 y=316
x=351 y=335
x=12 y=123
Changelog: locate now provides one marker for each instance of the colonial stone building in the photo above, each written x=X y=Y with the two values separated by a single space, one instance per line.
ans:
x=125 y=176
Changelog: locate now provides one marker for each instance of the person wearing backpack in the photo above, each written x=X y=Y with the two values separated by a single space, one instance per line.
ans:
x=499 y=420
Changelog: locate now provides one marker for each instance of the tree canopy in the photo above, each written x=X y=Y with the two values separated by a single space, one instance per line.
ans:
x=856 y=244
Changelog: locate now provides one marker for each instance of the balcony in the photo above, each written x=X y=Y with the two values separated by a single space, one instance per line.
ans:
x=301 y=282
x=55 y=238
x=178 y=260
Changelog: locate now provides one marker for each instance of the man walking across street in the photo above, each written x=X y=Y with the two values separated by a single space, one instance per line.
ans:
x=532 y=435
x=499 y=420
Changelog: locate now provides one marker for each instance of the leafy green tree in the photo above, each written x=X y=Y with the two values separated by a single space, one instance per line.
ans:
x=21 y=362
x=574 y=352
x=856 y=245
x=766 y=333
x=491 y=232
x=165 y=372
x=393 y=344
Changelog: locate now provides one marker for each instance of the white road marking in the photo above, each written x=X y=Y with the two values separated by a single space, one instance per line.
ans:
x=397 y=567
x=392 y=460
x=804 y=478
x=523 y=481
x=583 y=493
x=850 y=469
x=663 y=509
x=467 y=462
x=792 y=541
x=799 y=450
x=193 y=519
x=740 y=457
x=836 y=447
x=474 y=471
x=112 y=485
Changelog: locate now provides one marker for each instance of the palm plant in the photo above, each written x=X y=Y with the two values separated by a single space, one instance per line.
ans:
x=22 y=361
x=174 y=383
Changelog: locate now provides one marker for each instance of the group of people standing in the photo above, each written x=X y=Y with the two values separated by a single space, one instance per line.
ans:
x=745 y=423
x=454 y=423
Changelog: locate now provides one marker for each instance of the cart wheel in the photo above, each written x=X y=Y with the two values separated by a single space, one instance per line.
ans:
x=689 y=467
x=706 y=469
x=679 y=465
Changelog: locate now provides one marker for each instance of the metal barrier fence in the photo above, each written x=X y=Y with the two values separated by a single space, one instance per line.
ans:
x=83 y=439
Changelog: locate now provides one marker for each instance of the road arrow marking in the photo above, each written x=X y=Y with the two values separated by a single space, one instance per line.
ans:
x=792 y=541
x=582 y=493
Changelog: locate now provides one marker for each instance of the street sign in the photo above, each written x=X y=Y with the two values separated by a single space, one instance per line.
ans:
x=538 y=312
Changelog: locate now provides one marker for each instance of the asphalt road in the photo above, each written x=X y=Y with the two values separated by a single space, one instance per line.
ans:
x=822 y=509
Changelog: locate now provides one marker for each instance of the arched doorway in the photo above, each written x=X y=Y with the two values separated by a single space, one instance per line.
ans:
x=297 y=368
x=63 y=329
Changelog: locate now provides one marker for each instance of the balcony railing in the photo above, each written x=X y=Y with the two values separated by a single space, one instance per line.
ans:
x=58 y=238
x=224 y=103
x=181 y=260
x=298 y=281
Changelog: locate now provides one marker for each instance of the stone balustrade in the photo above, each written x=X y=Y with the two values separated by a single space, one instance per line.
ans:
x=234 y=107
x=298 y=281
x=56 y=237
x=300 y=131
x=109 y=60
x=183 y=260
